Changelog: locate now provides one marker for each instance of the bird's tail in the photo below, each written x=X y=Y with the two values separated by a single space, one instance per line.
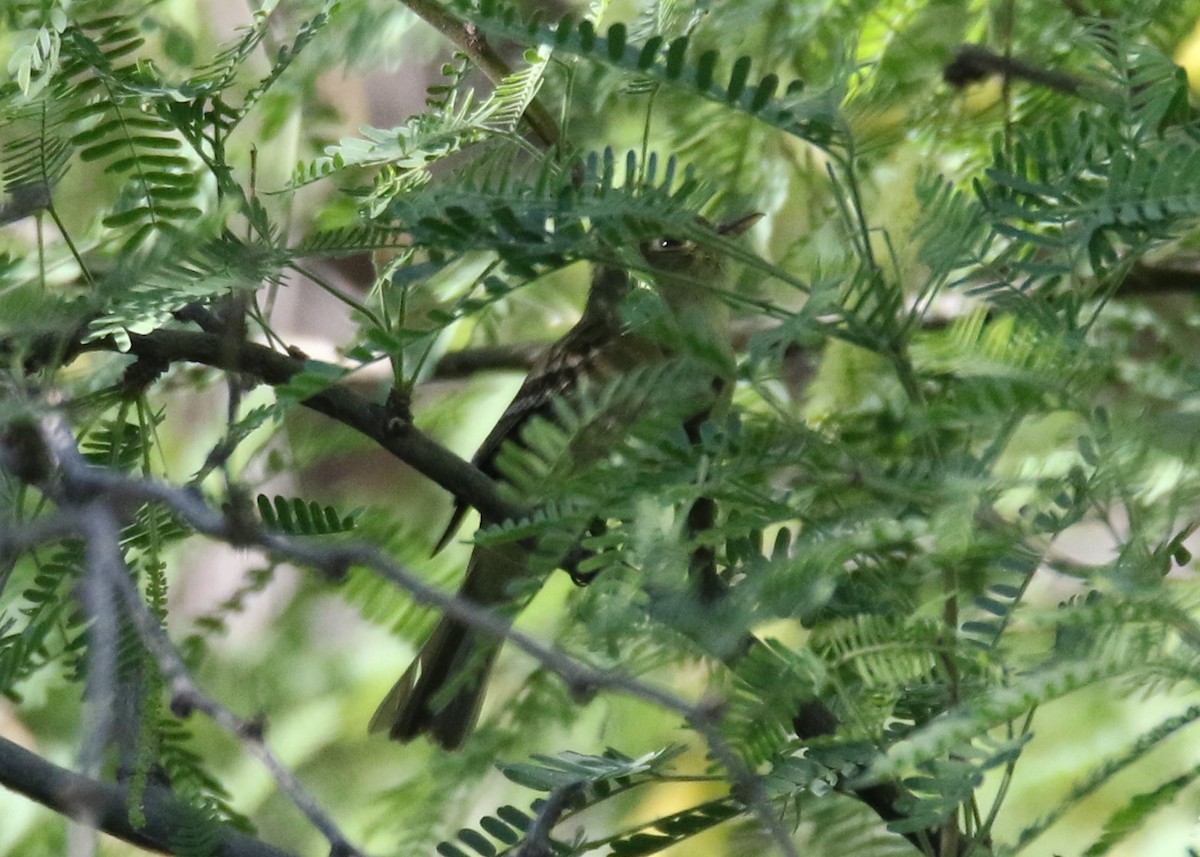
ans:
x=442 y=691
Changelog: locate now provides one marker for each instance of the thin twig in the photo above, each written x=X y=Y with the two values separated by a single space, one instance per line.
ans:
x=116 y=690
x=18 y=539
x=186 y=695
x=537 y=837
x=101 y=534
x=973 y=63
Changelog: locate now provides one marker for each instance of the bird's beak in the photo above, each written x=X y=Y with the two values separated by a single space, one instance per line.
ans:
x=734 y=228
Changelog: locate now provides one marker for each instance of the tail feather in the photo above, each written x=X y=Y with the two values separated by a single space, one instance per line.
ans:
x=442 y=691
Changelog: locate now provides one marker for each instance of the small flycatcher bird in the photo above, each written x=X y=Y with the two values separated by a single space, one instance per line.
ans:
x=442 y=691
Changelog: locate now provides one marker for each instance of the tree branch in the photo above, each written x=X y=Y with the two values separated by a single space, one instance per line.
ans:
x=1171 y=276
x=107 y=806
x=399 y=437
x=537 y=837
x=451 y=472
x=518 y=357
x=973 y=63
x=469 y=40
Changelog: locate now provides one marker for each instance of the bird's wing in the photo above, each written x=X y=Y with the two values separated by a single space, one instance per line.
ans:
x=555 y=375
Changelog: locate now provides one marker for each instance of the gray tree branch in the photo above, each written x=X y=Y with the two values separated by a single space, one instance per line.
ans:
x=107 y=806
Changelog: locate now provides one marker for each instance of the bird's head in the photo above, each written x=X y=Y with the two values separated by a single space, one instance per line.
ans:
x=680 y=267
x=685 y=257
x=685 y=271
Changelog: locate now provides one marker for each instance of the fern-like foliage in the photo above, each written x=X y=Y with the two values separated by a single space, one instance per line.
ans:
x=36 y=160
x=952 y=495
x=145 y=296
x=40 y=628
x=140 y=148
x=1078 y=194
x=405 y=155
x=293 y=515
x=793 y=112
x=507 y=213
x=590 y=780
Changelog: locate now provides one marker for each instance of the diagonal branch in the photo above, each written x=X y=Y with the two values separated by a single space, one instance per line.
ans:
x=107 y=806
x=537 y=837
x=398 y=436
x=469 y=40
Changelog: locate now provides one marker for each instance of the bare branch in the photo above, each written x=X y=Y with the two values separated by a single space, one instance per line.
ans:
x=410 y=445
x=537 y=837
x=973 y=63
x=15 y=540
x=1179 y=275
x=397 y=436
x=495 y=358
x=107 y=806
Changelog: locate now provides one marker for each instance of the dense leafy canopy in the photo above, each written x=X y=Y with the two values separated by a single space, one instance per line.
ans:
x=953 y=494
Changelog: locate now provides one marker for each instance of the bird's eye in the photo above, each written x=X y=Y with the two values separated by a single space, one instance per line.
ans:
x=667 y=246
x=668 y=254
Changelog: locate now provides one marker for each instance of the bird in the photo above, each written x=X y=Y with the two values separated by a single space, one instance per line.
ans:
x=441 y=692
